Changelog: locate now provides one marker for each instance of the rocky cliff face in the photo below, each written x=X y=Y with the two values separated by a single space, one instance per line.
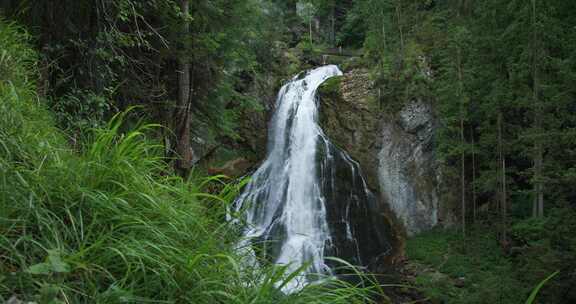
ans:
x=214 y=151
x=349 y=115
x=396 y=151
x=407 y=167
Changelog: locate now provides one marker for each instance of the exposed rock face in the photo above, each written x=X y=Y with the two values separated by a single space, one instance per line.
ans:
x=213 y=150
x=395 y=152
x=349 y=115
x=407 y=167
x=234 y=168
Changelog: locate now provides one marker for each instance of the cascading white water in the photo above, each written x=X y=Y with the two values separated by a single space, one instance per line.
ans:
x=285 y=203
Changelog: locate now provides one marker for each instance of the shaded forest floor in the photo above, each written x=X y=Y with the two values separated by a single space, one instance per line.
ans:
x=448 y=268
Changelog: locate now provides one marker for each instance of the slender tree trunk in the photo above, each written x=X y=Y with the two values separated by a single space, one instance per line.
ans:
x=538 y=208
x=463 y=7
x=333 y=26
x=538 y=185
x=96 y=9
x=504 y=202
x=474 y=206
x=502 y=182
x=399 y=20
x=383 y=19
x=182 y=113
x=310 y=27
x=46 y=37
x=463 y=176
x=462 y=140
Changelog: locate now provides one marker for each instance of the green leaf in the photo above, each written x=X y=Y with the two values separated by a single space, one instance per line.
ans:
x=49 y=293
x=42 y=268
x=54 y=264
x=55 y=259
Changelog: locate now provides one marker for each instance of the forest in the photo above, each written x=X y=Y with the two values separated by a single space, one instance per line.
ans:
x=287 y=151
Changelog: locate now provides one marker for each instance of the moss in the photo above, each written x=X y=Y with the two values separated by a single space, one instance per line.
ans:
x=331 y=87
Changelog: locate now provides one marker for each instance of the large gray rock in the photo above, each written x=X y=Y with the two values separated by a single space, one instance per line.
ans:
x=395 y=150
x=407 y=167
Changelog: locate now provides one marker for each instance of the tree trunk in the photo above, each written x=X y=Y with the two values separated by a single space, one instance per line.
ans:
x=462 y=140
x=310 y=27
x=538 y=208
x=502 y=169
x=463 y=177
x=182 y=115
x=292 y=21
x=383 y=19
x=474 y=204
x=399 y=20
x=504 y=202
x=333 y=26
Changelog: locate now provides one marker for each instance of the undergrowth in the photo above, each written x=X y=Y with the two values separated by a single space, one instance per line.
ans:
x=476 y=269
x=472 y=270
x=111 y=224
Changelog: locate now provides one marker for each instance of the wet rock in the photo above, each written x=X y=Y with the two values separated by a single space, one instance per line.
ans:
x=349 y=115
x=361 y=234
x=395 y=150
x=460 y=282
x=234 y=168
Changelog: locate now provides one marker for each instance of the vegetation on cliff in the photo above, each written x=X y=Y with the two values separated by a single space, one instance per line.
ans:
x=96 y=207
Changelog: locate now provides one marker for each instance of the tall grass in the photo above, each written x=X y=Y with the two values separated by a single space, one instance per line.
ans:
x=108 y=224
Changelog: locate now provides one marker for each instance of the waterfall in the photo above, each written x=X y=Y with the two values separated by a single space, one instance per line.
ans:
x=308 y=199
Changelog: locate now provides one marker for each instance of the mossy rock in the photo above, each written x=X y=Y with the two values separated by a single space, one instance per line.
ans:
x=331 y=87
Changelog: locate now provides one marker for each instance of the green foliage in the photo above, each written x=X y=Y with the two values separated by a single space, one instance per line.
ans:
x=109 y=55
x=398 y=56
x=79 y=111
x=478 y=270
x=472 y=270
x=306 y=10
x=230 y=44
x=112 y=225
x=353 y=32
x=544 y=246
x=530 y=231
x=16 y=57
